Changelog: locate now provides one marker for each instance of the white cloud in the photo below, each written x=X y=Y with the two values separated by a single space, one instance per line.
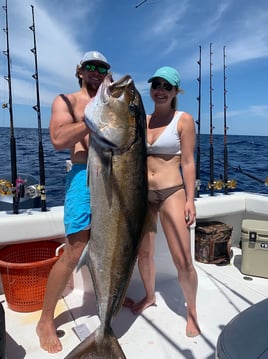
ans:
x=169 y=16
x=136 y=40
x=58 y=52
x=259 y=111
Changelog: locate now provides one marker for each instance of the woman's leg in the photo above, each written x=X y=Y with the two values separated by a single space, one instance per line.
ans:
x=147 y=272
x=178 y=237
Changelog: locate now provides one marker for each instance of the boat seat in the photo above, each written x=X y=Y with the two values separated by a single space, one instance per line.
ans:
x=245 y=336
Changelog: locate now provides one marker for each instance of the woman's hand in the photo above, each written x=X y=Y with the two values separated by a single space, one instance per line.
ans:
x=190 y=212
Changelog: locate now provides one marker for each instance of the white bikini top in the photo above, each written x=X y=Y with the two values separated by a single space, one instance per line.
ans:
x=168 y=142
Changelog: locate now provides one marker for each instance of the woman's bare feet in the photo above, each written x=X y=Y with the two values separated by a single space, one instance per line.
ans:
x=192 y=327
x=140 y=306
x=128 y=302
x=48 y=338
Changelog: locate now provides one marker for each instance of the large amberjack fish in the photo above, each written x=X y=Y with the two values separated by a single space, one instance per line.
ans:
x=118 y=184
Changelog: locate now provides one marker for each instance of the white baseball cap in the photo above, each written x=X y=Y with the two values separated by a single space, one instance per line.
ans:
x=95 y=56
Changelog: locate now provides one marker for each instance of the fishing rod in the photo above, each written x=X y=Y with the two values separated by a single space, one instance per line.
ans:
x=211 y=150
x=227 y=184
x=212 y=185
x=198 y=122
x=15 y=186
x=42 y=188
x=225 y=150
x=140 y=3
x=232 y=183
x=239 y=169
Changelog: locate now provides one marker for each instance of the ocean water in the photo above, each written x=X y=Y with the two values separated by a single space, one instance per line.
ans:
x=246 y=157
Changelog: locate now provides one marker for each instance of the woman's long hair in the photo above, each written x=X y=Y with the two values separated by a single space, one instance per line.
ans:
x=174 y=102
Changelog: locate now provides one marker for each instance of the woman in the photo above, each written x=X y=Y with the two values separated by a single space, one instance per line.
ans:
x=171 y=178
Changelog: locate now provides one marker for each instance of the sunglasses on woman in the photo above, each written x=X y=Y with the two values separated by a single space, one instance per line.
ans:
x=101 y=69
x=162 y=85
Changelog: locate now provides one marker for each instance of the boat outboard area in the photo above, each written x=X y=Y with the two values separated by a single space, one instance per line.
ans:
x=223 y=291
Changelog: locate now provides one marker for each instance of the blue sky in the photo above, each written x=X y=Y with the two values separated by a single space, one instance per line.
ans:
x=137 y=40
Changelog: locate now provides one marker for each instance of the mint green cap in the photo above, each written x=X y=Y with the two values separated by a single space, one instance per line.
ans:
x=169 y=74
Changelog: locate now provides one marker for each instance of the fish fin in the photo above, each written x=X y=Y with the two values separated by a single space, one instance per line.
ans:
x=98 y=347
x=83 y=260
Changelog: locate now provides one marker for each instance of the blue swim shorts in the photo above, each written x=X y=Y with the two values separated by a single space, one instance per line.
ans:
x=77 y=212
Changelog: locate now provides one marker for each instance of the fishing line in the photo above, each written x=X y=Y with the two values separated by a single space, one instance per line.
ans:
x=198 y=122
x=42 y=188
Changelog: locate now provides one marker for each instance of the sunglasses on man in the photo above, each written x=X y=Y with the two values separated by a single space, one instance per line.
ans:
x=162 y=85
x=101 y=69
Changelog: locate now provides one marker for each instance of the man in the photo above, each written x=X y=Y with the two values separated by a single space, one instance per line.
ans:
x=68 y=130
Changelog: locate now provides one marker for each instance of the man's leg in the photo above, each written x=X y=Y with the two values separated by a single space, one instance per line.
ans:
x=57 y=281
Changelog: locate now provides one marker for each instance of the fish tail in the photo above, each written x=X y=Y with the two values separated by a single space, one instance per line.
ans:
x=98 y=346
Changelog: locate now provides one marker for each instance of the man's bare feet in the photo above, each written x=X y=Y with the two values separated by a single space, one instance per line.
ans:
x=139 y=307
x=48 y=337
x=192 y=327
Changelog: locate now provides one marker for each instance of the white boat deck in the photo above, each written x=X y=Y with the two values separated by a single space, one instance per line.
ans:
x=160 y=331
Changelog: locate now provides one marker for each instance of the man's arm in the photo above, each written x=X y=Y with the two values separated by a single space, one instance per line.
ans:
x=64 y=131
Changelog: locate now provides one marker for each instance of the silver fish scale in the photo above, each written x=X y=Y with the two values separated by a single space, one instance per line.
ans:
x=118 y=185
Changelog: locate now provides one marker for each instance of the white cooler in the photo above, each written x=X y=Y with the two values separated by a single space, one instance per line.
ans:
x=254 y=237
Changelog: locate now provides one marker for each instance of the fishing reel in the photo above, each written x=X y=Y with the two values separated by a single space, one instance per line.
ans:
x=6 y=187
x=218 y=185
x=198 y=184
x=21 y=190
x=231 y=184
x=35 y=191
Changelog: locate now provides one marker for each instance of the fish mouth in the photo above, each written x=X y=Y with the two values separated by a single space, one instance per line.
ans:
x=118 y=98
x=113 y=88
